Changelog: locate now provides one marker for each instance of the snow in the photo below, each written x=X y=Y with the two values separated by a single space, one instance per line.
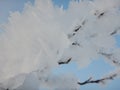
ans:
x=35 y=40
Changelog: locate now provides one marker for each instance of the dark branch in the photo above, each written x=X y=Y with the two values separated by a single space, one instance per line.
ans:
x=71 y=35
x=101 y=14
x=108 y=55
x=98 y=14
x=113 y=33
x=76 y=43
x=85 y=82
x=116 y=62
x=77 y=29
x=98 y=81
x=111 y=57
x=64 y=62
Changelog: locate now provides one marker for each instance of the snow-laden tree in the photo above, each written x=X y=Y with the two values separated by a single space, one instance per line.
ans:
x=44 y=36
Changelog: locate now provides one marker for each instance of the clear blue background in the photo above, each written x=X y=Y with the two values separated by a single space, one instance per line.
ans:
x=96 y=69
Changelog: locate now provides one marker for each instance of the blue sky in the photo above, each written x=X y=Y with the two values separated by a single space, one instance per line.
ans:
x=7 y=6
x=63 y=3
x=97 y=68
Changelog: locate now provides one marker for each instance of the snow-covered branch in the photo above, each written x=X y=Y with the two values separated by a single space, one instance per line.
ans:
x=102 y=80
x=64 y=62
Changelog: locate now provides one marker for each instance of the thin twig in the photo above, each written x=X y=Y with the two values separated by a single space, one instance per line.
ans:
x=98 y=80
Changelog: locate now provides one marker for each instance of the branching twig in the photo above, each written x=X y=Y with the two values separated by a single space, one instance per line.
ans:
x=97 y=81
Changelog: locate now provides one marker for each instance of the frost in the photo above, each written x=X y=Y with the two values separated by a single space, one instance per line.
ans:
x=36 y=39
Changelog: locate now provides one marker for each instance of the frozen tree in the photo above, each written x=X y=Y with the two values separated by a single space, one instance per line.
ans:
x=44 y=36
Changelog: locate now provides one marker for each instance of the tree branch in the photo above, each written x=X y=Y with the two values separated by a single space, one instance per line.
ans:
x=110 y=57
x=115 y=31
x=78 y=28
x=65 y=62
x=111 y=77
x=101 y=14
x=75 y=44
